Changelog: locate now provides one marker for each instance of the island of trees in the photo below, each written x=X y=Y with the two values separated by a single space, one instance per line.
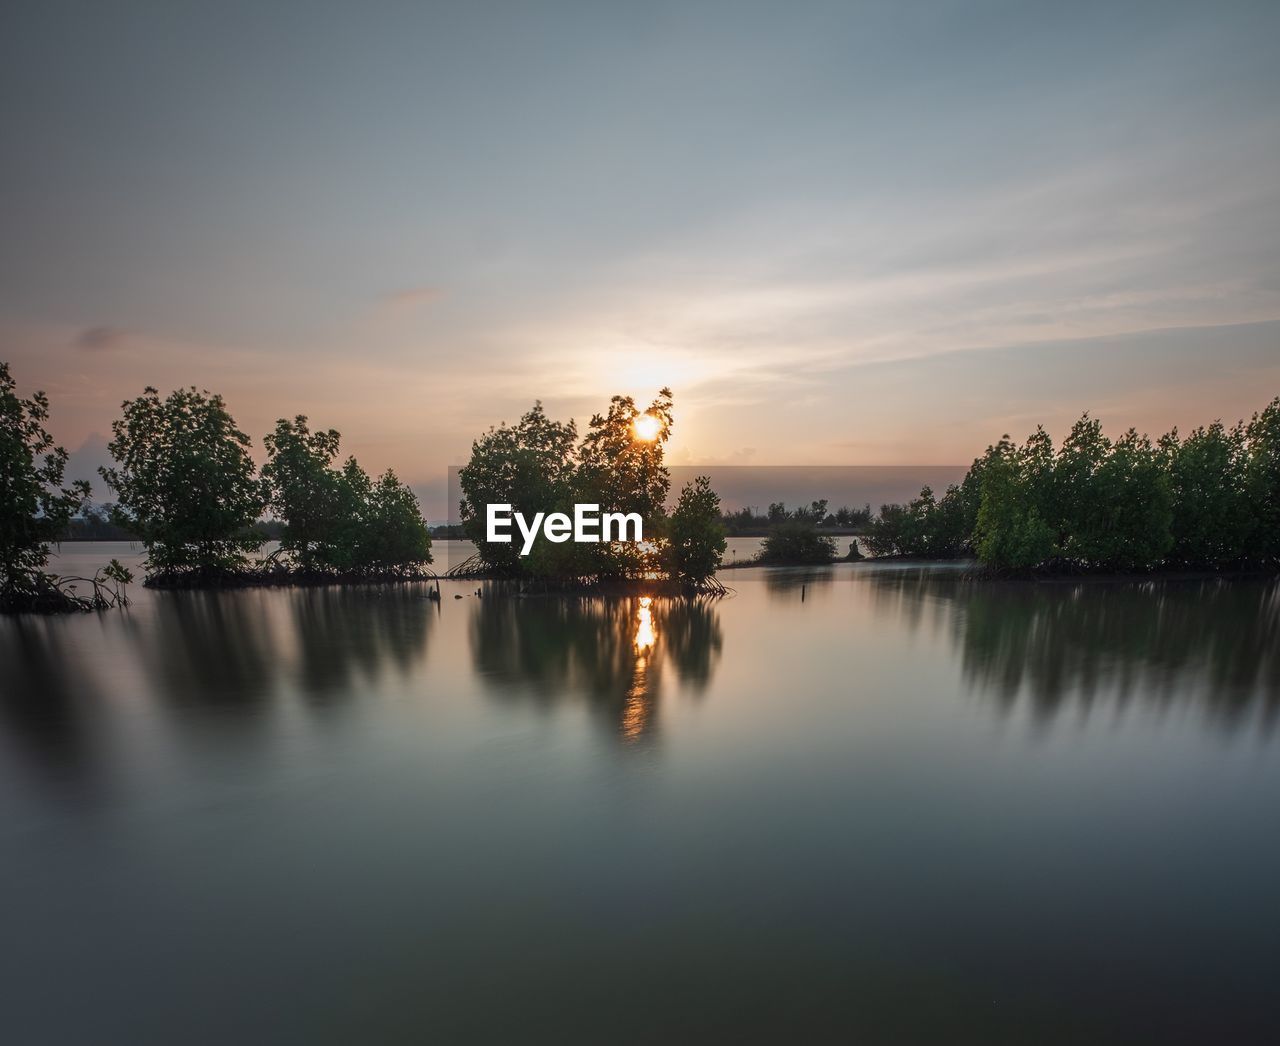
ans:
x=540 y=465
x=187 y=488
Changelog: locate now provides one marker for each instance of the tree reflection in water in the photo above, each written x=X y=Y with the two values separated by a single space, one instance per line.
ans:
x=1074 y=645
x=615 y=651
x=213 y=665
x=351 y=633
x=210 y=648
x=240 y=645
x=50 y=710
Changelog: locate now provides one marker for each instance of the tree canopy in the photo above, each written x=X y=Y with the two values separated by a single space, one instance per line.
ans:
x=184 y=481
x=530 y=466
x=797 y=542
x=695 y=536
x=1210 y=501
x=304 y=490
x=339 y=519
x=538 y=465
x=621 y=470
x=35 y=505
x=382 y=529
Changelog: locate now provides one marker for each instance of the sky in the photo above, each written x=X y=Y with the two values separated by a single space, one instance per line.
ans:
x=844 y=234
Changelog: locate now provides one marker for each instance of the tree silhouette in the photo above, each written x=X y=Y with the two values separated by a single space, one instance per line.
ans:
x=34 y=504
x=185 y=482
x=695 y=538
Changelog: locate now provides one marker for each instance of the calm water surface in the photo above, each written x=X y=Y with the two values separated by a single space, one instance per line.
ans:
x=857 y=804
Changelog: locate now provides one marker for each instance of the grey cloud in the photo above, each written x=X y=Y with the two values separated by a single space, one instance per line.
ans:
x=96 y=338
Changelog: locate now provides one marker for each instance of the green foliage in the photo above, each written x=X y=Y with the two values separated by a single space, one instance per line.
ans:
x=1262 y=483
x=35 y=507
x=305 y=491
x=795 y=542
x=815 y=510
x=923 y=527
x=748 y=520
x=185 y=482
x=1207 y=502
x=530 y=466
x=561 y=561
x=535 y=467
x=1130 y=495
x=117 y=573
x=695 y=538
x=853 y=517
x=383 y=527
x=884 y=535
x=339 y=519
x=1212 y=520
x=620 y=472
x=969 y=497
x=1095 y=504
x=1068 y=491
x=1010 y=533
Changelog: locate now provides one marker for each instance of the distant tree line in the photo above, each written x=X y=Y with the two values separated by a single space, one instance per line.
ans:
x=1209 y=501
x=93 y=523
x=539 y=465
x=751 y=521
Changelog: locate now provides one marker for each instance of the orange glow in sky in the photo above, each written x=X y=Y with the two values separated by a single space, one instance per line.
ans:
x=647 y=428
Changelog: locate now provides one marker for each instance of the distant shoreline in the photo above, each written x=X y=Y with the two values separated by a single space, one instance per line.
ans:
x=970 y=569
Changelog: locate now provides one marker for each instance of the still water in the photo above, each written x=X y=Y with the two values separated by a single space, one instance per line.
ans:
x=876 y=804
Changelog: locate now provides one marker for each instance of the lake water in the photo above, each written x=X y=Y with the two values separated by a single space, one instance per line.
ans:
x=862 y=803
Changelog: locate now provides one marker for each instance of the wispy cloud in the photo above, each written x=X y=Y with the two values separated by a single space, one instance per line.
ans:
x=99 y=338
x=413 y=296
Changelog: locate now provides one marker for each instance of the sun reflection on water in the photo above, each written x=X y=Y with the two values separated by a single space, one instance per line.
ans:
x=645 y=635
x=639 y=702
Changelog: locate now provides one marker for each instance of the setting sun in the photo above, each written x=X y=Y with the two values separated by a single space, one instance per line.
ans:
x=647 y=428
